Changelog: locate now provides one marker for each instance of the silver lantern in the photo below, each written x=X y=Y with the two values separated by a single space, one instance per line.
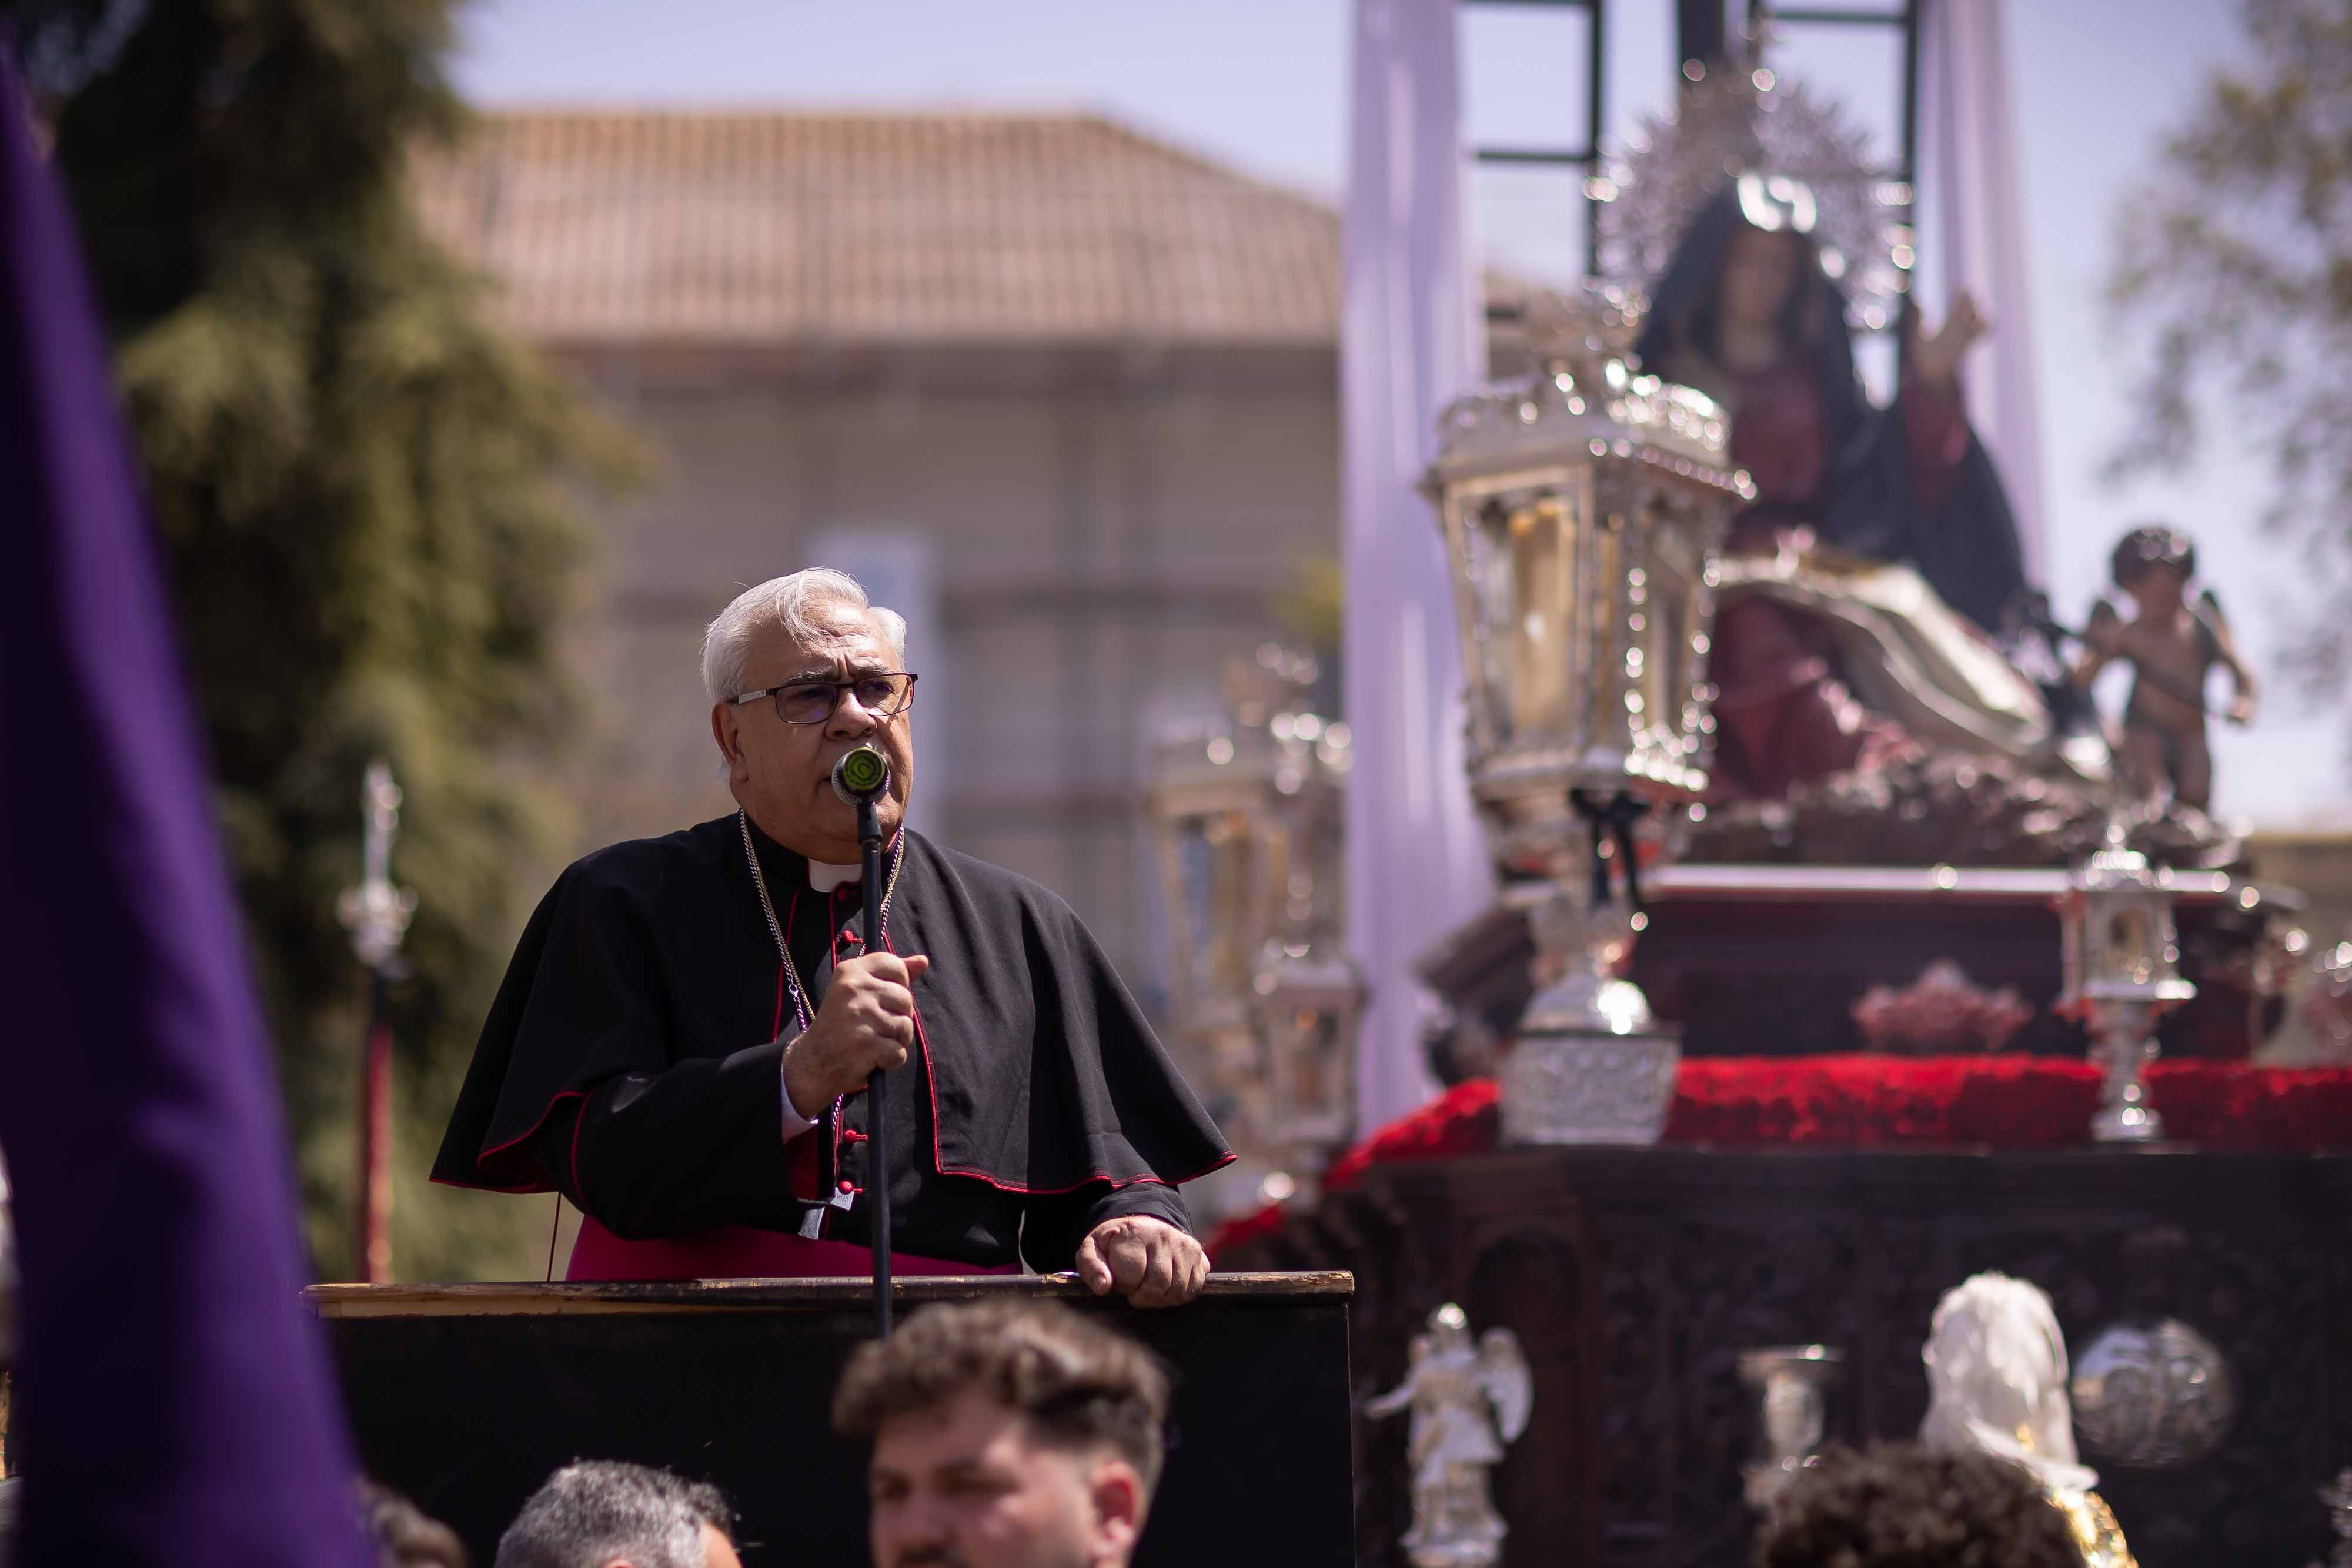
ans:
x=1246 y=822
x=1310 y=999
x=1583 y=511
x=2120 y=961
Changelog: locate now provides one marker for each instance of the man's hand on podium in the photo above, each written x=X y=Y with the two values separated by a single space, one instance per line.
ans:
x=1148 y=1260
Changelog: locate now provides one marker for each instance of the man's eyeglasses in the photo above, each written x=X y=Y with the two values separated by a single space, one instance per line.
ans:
x=886 y=694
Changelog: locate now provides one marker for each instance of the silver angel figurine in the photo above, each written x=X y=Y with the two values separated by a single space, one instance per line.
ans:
x=1468 y=1398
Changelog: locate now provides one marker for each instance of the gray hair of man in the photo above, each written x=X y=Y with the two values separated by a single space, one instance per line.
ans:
x=595 y=1511
x=786 y=602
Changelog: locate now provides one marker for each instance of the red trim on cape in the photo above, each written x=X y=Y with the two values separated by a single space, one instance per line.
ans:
x=578 y=1122
x=486 y=1187
x=939 y=1161
x=487 y=1154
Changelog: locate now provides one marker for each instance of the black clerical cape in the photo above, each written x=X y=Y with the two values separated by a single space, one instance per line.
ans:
x=633 y=1059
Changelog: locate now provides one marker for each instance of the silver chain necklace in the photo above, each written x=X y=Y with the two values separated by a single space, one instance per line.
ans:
x=768 y=908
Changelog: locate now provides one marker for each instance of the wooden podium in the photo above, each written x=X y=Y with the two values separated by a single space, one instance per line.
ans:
x=465 y=1398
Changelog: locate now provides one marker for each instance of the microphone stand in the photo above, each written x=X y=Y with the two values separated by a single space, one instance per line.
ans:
x=877 y=1163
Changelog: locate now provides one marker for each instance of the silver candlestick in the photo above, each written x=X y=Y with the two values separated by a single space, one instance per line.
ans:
x=376 y=912
x=2126 y=1047
x=2121 y=966
x=1790 y=1383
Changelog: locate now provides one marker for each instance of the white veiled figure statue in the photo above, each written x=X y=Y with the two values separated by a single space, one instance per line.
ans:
x=1997 y=1380
x=1468 y=1398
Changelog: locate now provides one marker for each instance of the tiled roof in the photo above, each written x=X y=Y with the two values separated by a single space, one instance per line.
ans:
x=846 y=228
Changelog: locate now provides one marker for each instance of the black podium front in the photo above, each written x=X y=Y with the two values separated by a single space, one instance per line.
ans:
x=466 y=1396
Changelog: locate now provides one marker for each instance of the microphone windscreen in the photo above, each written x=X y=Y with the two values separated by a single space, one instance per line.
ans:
x=862 y=774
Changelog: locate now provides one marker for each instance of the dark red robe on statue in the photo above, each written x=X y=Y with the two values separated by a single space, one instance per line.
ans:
x=1782 y=715
x=1909 y=485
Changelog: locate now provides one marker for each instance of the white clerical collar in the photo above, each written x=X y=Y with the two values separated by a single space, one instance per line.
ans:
x=825 y=878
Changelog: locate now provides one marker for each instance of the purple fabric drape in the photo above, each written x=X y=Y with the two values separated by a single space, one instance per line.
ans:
x=174 y=1403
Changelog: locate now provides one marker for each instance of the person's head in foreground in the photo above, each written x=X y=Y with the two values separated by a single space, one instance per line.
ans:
x=405 y=1535
x=599 y=1513
x=1904 y=1506
x=1006 y=1437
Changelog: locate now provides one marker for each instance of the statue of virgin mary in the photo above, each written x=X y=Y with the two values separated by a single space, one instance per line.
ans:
x=1859 y=589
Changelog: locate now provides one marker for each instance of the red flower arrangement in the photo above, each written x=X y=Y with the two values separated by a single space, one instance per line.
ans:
x=1877 y=1102
x=1245 y=1228
x=1461 y=1121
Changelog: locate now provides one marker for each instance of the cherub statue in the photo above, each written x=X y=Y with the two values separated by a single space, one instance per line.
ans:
x=1467 y=1399
x=2170 y=645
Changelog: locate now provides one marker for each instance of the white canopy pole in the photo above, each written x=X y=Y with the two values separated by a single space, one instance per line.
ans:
x=1976 y=202
x=1412 y=339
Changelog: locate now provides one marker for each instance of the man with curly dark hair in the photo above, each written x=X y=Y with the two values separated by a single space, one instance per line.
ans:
x=1904 y=1506
x=1006 y=1434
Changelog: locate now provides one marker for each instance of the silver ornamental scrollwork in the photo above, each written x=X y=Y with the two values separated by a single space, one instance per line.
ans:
x=1587 y=1089
x=1744 y=116
x=2153 y=1396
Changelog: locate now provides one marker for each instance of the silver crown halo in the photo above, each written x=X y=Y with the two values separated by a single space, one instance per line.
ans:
x=1797 y=162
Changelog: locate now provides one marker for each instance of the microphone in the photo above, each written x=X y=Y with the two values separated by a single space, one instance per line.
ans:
x=861 y=776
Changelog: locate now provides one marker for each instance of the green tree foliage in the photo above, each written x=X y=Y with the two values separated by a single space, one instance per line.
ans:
x=363 y=491
x=2237 y=262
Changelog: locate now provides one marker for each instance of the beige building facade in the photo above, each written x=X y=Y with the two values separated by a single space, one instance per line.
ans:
x=1065 y=395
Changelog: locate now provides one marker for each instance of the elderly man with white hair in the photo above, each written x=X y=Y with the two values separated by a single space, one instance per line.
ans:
x=682 y=1043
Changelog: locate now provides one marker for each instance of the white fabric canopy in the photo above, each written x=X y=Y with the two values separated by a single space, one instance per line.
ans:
x=1975 y=204
x=1412 y=339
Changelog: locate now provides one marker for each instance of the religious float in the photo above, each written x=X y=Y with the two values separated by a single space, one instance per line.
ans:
x=1834 y=966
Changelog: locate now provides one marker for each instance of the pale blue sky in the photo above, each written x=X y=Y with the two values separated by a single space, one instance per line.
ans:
x=1262 y=85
